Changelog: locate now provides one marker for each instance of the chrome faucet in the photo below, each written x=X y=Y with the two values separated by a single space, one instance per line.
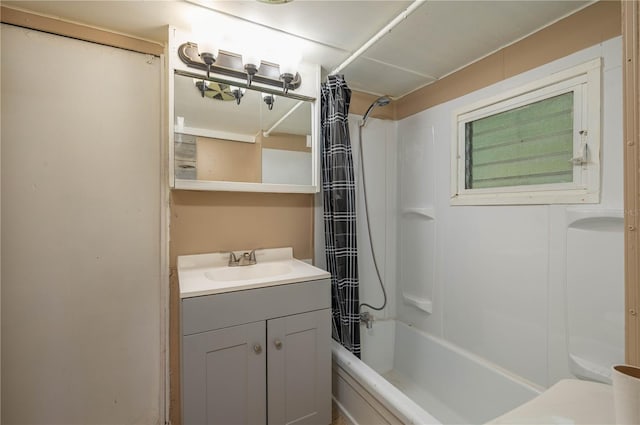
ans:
x=246 y=259
x=233 y=260
x=367 y=318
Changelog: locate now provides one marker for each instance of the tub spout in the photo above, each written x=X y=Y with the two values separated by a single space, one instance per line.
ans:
x=367 y=319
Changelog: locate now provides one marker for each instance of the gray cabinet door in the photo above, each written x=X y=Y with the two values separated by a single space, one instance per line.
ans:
x=224 y=376
x=299 y=364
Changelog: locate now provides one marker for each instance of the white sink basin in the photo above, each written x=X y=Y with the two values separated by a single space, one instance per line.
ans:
x=256 y=271
x=207 y=274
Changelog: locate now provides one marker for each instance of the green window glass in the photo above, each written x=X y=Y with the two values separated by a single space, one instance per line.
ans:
x=528 y=145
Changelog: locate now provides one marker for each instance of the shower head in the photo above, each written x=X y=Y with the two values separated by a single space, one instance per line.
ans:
x=381 y=101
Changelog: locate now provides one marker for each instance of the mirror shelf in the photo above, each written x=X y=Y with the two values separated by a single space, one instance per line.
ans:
x=220 y=186
x=222 y=144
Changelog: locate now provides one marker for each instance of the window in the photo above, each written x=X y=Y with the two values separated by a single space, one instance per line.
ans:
x=538 y=144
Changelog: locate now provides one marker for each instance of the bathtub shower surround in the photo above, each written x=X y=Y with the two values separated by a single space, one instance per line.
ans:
x=507 y=282
x=338 y=187
x=510 y=298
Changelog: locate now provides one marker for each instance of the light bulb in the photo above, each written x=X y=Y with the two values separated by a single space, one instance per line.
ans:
x=251 y=58
x=207 y=46
x=289 y=62
x=202 y=33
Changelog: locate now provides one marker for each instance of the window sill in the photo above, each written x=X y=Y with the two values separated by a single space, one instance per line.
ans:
x=527 y=198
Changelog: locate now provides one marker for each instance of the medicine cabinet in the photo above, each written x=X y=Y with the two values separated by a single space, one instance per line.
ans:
x=227 y=135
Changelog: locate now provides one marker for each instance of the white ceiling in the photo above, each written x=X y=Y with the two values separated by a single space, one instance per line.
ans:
x=438 y=38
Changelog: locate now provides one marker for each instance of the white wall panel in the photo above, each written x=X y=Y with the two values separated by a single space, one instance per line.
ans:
x=81 y=250
x=378 y=138
x=595 y=298
x=495 y=290
x=500 y=271
x=612 y=153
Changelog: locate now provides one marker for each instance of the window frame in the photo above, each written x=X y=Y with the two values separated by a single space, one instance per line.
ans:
x=585 y=82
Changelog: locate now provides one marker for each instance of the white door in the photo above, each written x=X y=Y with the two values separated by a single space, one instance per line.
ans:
x=81 y=231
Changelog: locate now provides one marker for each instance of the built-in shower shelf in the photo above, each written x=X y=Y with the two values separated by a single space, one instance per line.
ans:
x=428 y=213
x=593 y=218
x=584 y=368
x=423 y=304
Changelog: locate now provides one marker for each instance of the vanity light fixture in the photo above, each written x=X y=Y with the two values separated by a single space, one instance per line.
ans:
x=237 y=92
x=289 y=61
x=249 y=67
x=208 y=55
x=269 y=99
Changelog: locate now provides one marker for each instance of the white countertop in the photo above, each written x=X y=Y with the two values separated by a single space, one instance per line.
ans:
x=193 y=271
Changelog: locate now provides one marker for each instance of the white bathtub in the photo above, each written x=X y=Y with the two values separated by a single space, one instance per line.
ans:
x=410 y=377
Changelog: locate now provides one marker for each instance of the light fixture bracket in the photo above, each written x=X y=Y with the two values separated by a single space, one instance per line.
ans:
x=230 y=64
x=251 y=70
x=269 y=99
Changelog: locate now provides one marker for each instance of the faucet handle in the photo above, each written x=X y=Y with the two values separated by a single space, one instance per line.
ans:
x=233 y=260
x=248 y=258
x=244 y=259
x=252 y=254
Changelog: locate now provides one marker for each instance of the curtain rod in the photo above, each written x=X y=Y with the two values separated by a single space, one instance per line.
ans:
x=281 y=120
x=381 y=33
x=386 y=29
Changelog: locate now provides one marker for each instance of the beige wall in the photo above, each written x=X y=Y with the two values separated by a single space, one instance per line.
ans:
x=221 y=221
x=360 y=102
x=227 y=160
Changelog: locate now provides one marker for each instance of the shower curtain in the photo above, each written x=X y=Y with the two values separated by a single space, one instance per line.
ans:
x=339 y=194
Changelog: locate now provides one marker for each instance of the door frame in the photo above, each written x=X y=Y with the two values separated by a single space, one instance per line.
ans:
x=631 y=117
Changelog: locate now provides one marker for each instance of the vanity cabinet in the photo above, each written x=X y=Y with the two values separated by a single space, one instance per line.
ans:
x=258 y=356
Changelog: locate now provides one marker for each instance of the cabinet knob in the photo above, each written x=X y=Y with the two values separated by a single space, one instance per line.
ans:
x=278 y=344
x=257 y=348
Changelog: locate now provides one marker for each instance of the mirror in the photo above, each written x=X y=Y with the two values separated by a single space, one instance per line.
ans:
x=217 y=139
